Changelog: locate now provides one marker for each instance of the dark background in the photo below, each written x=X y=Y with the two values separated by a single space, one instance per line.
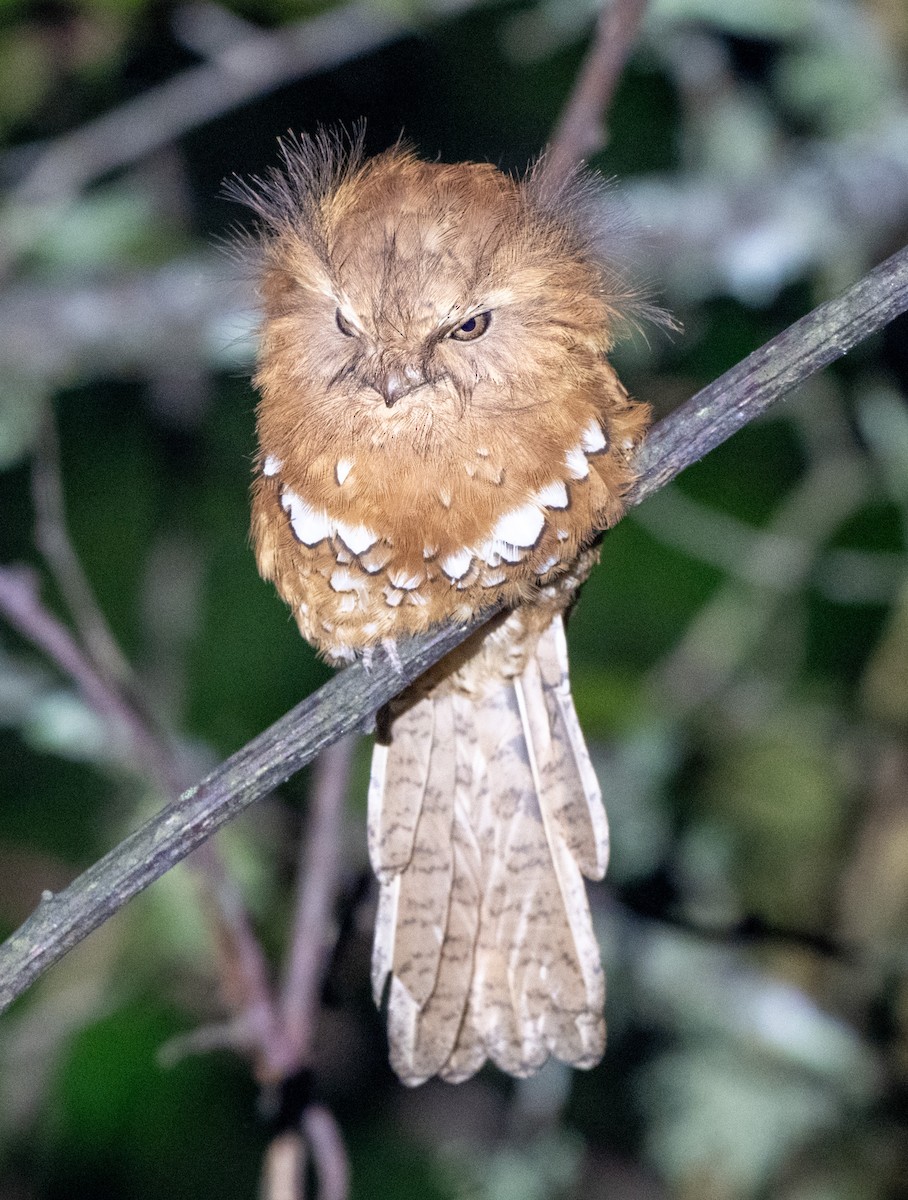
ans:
x=740 y=658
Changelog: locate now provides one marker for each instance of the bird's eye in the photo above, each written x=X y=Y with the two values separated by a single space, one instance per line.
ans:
x=344 y=325
x=473 y=328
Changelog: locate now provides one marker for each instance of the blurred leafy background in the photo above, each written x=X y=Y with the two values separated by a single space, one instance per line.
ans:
x=740 y=657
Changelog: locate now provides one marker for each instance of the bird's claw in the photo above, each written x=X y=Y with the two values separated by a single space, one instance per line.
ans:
x=390 y=648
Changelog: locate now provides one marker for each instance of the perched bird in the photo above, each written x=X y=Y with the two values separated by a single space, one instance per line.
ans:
x=439 y=432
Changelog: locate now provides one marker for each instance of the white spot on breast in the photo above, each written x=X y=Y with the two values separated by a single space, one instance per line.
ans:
x=493 y=578
x=445 y=497
x=429 y=551
x=519 y=527
x=470 y=469
x=577 y=464
x=343 y=580
x=562 y=535
x=417 y=599
x=342 y=470
x=493 y=550
x=547 y=564
x=456 y=565
x=482 y=451
x=593 y=439
x=553 y=495
x=356 y=537
x=401 y=580
x=271 y=465
x=311 y=525
x=394 y=596
x=373 y=560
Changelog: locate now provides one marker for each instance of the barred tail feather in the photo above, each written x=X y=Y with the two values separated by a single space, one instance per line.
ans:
x=485 y=929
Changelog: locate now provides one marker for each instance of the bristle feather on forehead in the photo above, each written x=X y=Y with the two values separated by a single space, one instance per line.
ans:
x=325 y=179
x=312 y=167
x=404 y=222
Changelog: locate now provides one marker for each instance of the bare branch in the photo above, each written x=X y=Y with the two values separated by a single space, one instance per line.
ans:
x=247 y=68
x=53 y=541
x=242 y=969
x=581 y=131
x=765 y=376
x=351 y=699
x=328 y=1154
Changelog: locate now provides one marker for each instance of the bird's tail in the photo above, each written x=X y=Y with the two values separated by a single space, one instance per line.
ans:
x=484 y=813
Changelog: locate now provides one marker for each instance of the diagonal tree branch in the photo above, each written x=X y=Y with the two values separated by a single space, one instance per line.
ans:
x=351 y=699
x=765 y=376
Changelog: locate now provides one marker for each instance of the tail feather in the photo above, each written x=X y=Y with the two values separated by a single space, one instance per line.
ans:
x=557 y=971
x=423 y=1037
x=487 y=934
x=518 y=896
x=581 y=815
x=397 y=785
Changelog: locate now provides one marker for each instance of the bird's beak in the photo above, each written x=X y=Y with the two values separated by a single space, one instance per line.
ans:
x=400 y=381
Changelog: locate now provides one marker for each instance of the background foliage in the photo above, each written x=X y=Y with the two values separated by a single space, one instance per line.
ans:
x=740 y=658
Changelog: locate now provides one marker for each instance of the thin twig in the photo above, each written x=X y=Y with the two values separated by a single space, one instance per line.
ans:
x=317 y=888
x=355 y=695
x=54 y=543
x=250 y=67
x=242 y=969
x=21 y=606
x=329 y=1157
x=276 y=1037
x=765 y=376
x=581 y=130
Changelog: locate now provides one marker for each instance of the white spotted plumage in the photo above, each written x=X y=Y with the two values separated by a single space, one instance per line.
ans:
x=577 y=463
x=553 y=495
x=593 y=440
x=311 y=525
x=456 y=565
